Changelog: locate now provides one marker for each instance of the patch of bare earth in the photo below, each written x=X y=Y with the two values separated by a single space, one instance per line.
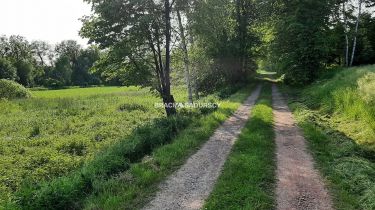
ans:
x=192 y=184
x=299 y=185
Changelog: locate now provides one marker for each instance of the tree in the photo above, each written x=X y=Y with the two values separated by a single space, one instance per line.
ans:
x=7 y=70
x=70 y=49
x=18 y=48
x=223 y=29
x=63 y=70
x=356 y=30
x=25 y=72
x=186 y=56
x=300 y=43
x=81 y=74
x=138 y=36
x=41 y=50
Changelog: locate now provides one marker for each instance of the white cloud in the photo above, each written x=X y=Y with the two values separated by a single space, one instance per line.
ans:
x=49 y=20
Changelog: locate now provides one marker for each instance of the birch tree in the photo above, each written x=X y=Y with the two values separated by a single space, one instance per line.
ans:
x=346 y=33
x=356 y=31
x=186 y=56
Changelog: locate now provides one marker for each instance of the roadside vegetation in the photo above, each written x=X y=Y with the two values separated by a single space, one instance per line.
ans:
x=248 y=177
x=337 y=115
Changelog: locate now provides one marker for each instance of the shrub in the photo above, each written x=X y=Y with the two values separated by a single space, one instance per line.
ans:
x=229 y=90
x=12 y=90
x=53 y=83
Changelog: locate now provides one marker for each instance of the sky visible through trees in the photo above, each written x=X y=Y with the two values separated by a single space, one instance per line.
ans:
x=49 y=20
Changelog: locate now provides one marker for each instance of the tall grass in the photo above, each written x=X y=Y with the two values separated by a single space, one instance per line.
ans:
x=347 y=99
x=57 y=131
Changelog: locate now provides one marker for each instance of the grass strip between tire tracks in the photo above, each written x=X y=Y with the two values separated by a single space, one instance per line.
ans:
x=248 y=178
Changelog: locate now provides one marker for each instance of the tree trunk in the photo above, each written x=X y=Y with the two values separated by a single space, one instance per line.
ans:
x=241 y=33
x=186 y=57
x=356 y=31
x=346 y=36
x=167 y=96
x=194 y=68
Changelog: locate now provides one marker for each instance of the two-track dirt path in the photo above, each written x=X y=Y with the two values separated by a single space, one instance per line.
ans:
x=193 y=182
x=299 y=185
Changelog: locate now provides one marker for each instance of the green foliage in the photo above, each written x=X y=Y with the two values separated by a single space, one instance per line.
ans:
x=37 y=64
x=82 y=74
x=7 y=70
x=248 y=177
x=224 y=37
x=63 y=70
x=228 y=91
x=365 y=52
x=300 y=39
x=25 y=72
x=12 y=90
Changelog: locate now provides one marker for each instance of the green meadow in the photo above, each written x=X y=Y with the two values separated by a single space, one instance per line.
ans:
x=56 y=131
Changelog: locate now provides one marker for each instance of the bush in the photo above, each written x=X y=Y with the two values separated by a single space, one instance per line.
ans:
x=229 y=90
x=12 y=90
x=53 y=83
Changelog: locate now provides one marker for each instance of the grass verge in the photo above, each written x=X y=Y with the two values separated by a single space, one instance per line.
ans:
x=248 y=178
x=338 y=124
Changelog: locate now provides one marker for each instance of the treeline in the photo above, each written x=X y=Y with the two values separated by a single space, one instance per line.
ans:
x=37 y=63
x=212 y=42
x=305 y=37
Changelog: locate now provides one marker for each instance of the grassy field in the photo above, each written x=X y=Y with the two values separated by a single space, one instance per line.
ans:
x=247 y=181
x=82 y=92
x=337 y=115
x=56 y=131
x=72 y=148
